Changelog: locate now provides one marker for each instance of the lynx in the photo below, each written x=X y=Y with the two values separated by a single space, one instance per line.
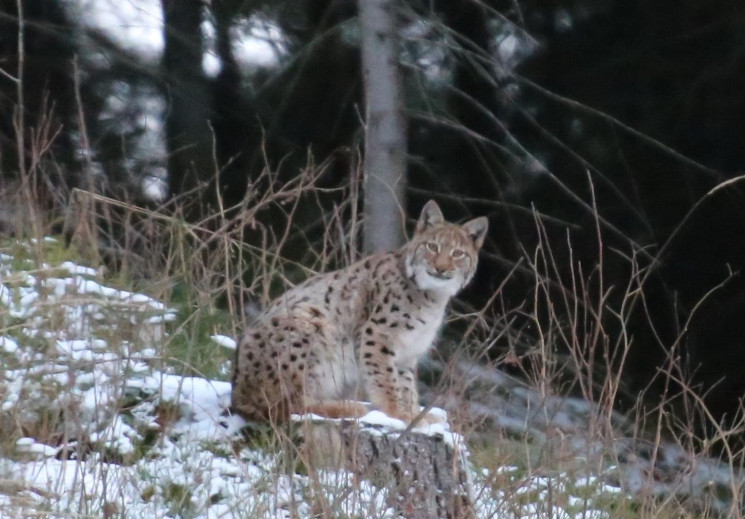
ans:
x=358 y=332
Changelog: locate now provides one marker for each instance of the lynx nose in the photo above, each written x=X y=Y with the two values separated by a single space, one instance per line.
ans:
x=441 y=270
x=441 y=265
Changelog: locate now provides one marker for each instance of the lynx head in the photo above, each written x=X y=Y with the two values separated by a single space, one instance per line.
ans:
x=442 y=256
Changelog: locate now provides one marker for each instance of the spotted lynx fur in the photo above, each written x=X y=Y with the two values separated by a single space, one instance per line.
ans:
x=358 y=332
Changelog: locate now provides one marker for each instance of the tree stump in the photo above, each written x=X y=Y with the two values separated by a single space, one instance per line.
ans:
x=425 y=473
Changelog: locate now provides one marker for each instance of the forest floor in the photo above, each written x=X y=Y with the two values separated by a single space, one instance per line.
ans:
x=103 y=414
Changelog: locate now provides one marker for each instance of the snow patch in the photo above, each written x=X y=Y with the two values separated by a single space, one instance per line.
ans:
x=224 y=341
x=72 y=268
x=8 y=345
x=30 y=446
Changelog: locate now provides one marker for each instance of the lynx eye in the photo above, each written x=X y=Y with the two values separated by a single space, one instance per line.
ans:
x=433 y=247
x=457 y=253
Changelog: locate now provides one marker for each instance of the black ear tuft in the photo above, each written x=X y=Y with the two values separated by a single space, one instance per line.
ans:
x=431 y=215
x=476 y=230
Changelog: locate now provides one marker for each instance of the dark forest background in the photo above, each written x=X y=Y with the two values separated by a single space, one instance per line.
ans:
x=600 y=128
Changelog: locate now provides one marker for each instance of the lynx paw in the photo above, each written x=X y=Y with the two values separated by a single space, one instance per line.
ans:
x=432 y=418
x=337 y=409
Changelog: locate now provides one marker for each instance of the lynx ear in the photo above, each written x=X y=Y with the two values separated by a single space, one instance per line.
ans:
x=431 y=215
x=476 y=230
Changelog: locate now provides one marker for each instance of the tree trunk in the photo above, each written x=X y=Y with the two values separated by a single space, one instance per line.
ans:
x=191 y=169
x=385 y=137
x=425 y=476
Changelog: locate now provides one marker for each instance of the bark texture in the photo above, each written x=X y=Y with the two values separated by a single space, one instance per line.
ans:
x=385 y=137
x=425 y=476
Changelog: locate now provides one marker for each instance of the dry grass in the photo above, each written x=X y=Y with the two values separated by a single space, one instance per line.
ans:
x=217 y=272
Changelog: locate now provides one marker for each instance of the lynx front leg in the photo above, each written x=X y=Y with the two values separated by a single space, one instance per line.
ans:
x=406 y=389
x=380 y=374
x=409 y=395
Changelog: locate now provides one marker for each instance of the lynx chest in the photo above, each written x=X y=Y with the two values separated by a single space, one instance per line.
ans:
x=416 y=339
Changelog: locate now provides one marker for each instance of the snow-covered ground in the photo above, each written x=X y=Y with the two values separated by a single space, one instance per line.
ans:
x=96 y=420
x=95 y=423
